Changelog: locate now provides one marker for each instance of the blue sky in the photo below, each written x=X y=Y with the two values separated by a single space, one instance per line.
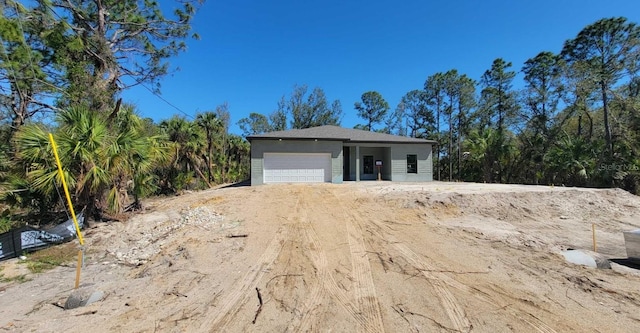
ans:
x=253 y=52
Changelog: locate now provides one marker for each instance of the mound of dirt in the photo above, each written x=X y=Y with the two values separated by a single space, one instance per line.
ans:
x=369 y=256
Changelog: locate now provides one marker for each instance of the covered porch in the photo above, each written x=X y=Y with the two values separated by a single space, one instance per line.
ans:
x=362 y=161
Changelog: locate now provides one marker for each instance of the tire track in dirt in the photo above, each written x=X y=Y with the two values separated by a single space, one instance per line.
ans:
x=451 y=306
x=233 y=301
x=326 y=282
x=453 y=309
x=441 y=280
x=444 y=279
x=534 y=322
x=303 y=322
x=364 y=286
x=530 y=319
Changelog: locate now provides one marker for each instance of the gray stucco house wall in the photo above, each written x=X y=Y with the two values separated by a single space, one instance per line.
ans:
x=348 y=153
x=259 y=147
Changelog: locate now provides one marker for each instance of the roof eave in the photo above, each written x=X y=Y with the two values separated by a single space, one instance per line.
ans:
x=249 y=138
x=389 y=142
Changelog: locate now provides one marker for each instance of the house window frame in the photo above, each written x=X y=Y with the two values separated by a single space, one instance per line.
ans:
x=367 y=165
x=412 y=167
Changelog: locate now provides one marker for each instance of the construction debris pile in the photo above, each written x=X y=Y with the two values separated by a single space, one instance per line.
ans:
x=141 y=246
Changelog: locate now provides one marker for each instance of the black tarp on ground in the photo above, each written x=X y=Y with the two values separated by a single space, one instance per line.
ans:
x=13 y=243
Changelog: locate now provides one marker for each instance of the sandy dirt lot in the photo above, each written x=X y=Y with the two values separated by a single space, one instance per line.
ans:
x=356 y=257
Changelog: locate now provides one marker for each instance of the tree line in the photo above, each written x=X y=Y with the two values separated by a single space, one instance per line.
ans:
x=113 y=161
x=574 y=122
x=63 y=65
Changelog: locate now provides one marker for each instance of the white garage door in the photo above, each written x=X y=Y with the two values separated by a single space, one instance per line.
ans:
x=297 y=168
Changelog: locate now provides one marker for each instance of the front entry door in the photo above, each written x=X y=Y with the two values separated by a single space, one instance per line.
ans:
x=346 y=170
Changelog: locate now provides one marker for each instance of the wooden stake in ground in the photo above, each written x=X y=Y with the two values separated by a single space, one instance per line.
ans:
x=78 y=268
x=593 y=233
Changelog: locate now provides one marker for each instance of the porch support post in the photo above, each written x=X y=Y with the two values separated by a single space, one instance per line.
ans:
x=357 y=163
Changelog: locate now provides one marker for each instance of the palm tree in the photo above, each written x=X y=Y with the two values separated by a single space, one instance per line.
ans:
x=478 y=155
x=132 y=157
x=187 y=146
x=96 y=159
x=16 y=191
x=238 y=158
x=571 y=160
x=211 y=125
x=82 y=138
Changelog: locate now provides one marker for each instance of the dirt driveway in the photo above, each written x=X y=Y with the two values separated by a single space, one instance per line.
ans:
x=359 y=257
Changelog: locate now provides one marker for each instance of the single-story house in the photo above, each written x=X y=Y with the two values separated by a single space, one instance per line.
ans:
x=335 y=154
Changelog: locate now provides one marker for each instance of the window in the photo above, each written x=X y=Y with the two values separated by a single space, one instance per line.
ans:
x=368 y=165
x=412 y=163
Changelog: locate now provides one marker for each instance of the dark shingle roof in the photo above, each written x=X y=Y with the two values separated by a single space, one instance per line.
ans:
x=329 y=132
